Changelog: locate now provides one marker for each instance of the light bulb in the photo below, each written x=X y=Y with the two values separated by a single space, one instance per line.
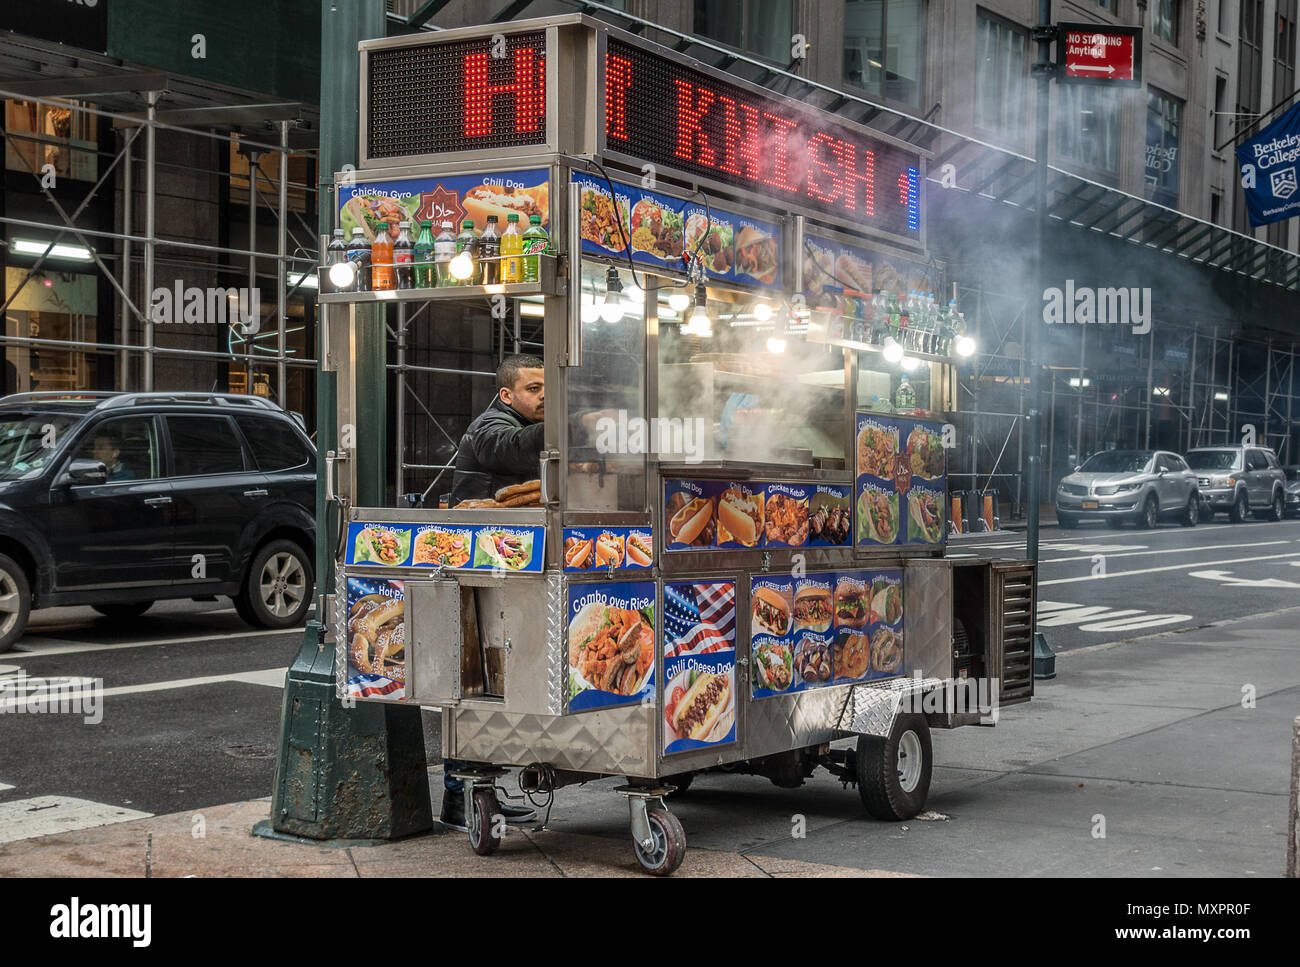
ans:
x=679 y=301
x=590 y=312
x=893 y=352
x=909 y=363
x=965 y=346
x=775 y=344
x=343 y=274
x=763 y=312
x=612 y=309
x=461 y=267
x=699 y=324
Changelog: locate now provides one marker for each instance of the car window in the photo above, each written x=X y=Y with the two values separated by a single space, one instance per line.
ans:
x=28 y=440
x=1177 y=463
x=1162 y=463
x=1293 y=473
x=1117 y=461
x=204 y=445
x=1255 y=460
x=1214 y=459
x=1271 y=457
x=127 y=447
x=274 y=443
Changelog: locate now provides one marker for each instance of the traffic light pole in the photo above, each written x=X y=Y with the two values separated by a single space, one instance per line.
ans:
x=1044 y=34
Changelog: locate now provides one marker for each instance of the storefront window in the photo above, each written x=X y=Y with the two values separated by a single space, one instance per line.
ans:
x=1088 y=125
x=884 y=47
x=41 y=134
x=1163 y=116
x=53 y=306
x=1000 y=76
x=759 y=27
x=1164 y=20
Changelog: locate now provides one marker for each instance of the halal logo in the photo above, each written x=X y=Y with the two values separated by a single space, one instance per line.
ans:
x=1284 y=183
x=440 y=206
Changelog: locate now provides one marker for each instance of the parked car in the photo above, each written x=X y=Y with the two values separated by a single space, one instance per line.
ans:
x=1137 y=485
x=1292 y=490
x=120 y=500
x=1240 y=480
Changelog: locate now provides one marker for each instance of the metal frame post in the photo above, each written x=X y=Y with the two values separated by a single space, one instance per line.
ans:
x=282 y=299
x=149 y=215
x=124 y=330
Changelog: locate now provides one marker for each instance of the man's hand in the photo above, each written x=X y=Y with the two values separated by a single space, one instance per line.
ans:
x=589 y=420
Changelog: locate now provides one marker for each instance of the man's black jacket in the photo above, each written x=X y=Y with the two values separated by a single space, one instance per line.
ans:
x=499 y=449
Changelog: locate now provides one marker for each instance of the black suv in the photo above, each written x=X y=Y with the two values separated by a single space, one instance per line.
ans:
x=117 y=500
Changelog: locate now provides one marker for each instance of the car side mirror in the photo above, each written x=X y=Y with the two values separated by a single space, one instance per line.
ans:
x=1078 y=468
x=80 y=473
x=1163 y=472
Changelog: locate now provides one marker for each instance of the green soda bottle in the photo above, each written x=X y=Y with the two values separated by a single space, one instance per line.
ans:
x=468 y=241
x=425 y=277
x=535 y=242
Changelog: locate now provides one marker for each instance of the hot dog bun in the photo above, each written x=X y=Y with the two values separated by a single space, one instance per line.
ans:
x=689 y=726
x=609 y=550
x=689 y=522
x=638 y=551
x=736 y=514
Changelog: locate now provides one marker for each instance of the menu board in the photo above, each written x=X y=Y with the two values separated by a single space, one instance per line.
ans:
x=842 y=279
x=454 y=199
x=593 y=548
x=901 y=482
x=376 y=639
x=699 y=665
x=748 y=514
x=611 y=634
x=823 y=629
x=659 y=229
x=467 y=547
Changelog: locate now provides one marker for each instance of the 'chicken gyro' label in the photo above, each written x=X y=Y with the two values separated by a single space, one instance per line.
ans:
x=611 y=636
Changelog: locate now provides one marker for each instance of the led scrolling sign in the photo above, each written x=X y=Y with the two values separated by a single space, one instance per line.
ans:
x=474 y=95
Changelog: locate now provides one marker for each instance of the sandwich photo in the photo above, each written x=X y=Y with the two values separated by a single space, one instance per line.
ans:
x=877 y=517
x=640 y=551
x=774 y=665
x=812 y=609
x=924 y=517
x=700 y=711
x=756 y=255
x=741 y=516
x=771 y=611
x=850 y=605
x=368 y=212
x=886 y=602
x=503 y=202
x=381 y=545
x=688 y=524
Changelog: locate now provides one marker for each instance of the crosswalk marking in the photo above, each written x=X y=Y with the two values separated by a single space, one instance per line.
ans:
x=45 y=815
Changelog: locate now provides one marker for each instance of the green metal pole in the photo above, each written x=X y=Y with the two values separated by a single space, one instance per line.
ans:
x=355 y=772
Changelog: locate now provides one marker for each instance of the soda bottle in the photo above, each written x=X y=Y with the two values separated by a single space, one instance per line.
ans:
x=336 y=251
x=535 y=242
x=404 y=257
x=359 y=254
x=381 y=260
x=489 y=249
x=905 y=397
x=444 y=250
x=468 y=241
x=512 y=247
x=425 y=274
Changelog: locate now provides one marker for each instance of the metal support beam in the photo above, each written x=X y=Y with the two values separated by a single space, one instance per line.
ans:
x=150 y=199
x=84 y=86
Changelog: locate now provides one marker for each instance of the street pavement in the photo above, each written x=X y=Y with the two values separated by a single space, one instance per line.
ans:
x=1139 y=759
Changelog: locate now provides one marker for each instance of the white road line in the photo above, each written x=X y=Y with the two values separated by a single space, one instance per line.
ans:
x=22 y=649
x=45 y=815
x=1187 y=566
x=1171 y=550
x=273 y=677
x=4 y=786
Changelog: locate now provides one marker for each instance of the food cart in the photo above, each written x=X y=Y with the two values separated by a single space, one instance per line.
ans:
x=736 y=555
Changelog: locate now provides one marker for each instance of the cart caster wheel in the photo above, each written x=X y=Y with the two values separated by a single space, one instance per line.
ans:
x=482 y=824
x=682 y=781
x=894 y=773
x=669 y=844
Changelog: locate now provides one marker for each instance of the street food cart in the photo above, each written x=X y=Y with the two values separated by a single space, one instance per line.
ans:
x=735 y=553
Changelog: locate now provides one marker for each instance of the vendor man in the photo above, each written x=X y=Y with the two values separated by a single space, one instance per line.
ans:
x=500 y=449
x=502 y=445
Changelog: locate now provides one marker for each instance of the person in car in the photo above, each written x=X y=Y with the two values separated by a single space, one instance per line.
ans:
x=108 y=451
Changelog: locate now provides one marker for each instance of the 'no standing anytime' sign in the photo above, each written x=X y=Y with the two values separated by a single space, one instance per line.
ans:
x=1099 y=54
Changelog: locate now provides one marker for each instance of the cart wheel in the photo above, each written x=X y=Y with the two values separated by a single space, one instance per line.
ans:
x=482 y=833
x=894 y=773
x=670 y=844
x=682 y=781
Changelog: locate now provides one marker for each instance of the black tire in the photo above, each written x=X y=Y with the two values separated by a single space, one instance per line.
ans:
x=1114 y=523
x=1149 y=516
x=483 y=824
x=682 y=781
x=15 y=602
x=1278 y=509
x=1067 y=521
x=1240 y=509
x=120 y=612
x=278 y=586
x=885 y=793
x=242 y=609
x=1192 y=515
x=670 y=843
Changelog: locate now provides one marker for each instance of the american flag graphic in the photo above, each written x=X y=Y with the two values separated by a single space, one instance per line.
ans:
x=364 y=685
x=699 y=618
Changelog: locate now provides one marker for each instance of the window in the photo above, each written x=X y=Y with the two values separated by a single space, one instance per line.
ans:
x=760 y=27
x=127 y=448
x=274 y=443
x=204 y=445
x=1250 y=44
x=1284 y=49
x=1107 y=5
x=884 y=47
x=1255 y=460
x=1176 y=463
x=41 y=134
x=1165 y=20
x=1088 y=125
x=1001 y=72
x=1222 y=114
x=1163 y=115
x=1216 y=207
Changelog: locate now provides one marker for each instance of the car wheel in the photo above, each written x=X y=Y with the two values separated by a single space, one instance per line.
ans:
x=120 y=612
x=1150 y=516
x=1278 y=511
x=1192 y=515
x=278 y=586
x=1068 y=521
x=1114 y=523
x=1240 y=509
x=15 y=602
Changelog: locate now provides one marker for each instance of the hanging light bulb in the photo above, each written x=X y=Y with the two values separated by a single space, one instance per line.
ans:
x=343 y=274
x=590 y=311
x=679 y=301
x=461 y=267
x=611 y=309
x=700 y=324
x=965 y=346
x=762 y=311
x=893 y=352
x=776 y=344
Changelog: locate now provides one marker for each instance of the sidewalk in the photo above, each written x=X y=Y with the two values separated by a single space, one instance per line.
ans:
x=1140 y=759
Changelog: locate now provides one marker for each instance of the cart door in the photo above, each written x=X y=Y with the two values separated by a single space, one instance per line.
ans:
x=436 y=630
x=1011 y=652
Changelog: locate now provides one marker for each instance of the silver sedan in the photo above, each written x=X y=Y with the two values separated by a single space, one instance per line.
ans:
x=1138 y=485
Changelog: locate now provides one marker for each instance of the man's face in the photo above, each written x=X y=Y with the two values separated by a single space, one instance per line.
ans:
x=105 y=452
x=526 y=396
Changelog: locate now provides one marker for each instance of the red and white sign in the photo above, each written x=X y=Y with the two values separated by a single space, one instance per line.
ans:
x=1100 y=53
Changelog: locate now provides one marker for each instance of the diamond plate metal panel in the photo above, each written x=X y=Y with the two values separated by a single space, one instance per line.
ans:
x=785 y=722
x=871 y=708
x=610 y=741
x=340 y=619
x=557 y=649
